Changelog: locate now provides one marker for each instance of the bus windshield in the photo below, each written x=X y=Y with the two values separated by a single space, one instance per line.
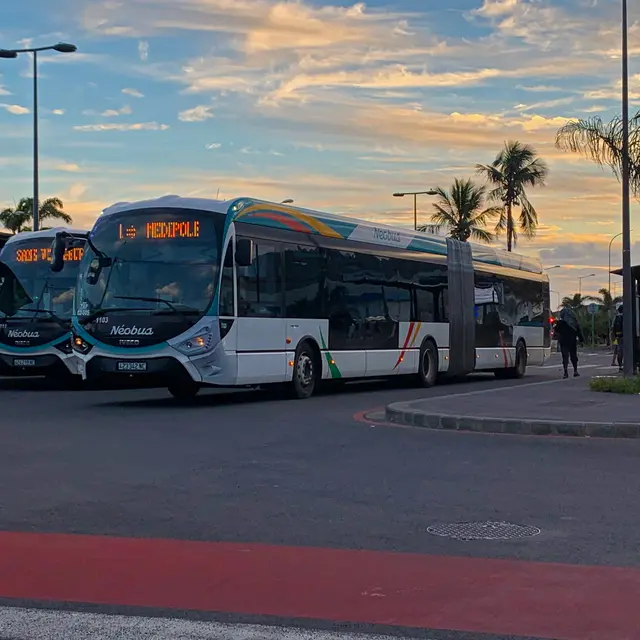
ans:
x=160 y=261
x=29 y=289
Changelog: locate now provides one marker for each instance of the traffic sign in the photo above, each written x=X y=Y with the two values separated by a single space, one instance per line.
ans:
x=592 y=308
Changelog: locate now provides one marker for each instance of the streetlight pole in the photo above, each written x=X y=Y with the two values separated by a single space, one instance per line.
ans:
x=558 y=294
x=580 y=279
x=35 y=208
x=61 y=47
x=610 y=243
x=415 y=194
x=628 y=330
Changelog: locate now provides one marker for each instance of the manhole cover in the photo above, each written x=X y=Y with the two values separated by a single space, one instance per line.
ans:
x=483 y=531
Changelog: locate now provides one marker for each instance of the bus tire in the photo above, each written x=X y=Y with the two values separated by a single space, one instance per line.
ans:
x=184 y=390
x=428 y=364
x=306 y=371
x=520 y=368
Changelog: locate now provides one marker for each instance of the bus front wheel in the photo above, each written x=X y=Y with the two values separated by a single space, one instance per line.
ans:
x=184 y=390
x=305 y=371
x=428 y=365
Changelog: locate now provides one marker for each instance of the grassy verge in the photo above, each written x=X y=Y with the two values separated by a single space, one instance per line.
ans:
x=611 y=384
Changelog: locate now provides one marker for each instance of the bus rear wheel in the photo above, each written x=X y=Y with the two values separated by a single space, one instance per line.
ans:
x=428 y=365
x=184 y=390
x=305 y=371
x=520 y=368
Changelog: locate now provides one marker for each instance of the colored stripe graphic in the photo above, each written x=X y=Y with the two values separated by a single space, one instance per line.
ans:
x=333 y=367
x=258 y=210
x=503 y=597
x=406 y=345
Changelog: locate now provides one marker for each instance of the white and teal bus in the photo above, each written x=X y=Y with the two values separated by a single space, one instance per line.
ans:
x=36 y=305
x=192 y=292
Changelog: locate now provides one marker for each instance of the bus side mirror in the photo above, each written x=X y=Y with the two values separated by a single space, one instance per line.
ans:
x=58 y=248
x=244 y=252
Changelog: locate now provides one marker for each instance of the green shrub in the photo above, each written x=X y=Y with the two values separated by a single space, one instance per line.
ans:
x=611 y=384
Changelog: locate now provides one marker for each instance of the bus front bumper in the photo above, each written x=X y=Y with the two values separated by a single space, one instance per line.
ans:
x=45 y=364
x=162 y=370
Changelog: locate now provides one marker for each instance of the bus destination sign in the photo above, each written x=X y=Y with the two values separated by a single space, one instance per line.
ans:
x=159 y=230
x=43 y=254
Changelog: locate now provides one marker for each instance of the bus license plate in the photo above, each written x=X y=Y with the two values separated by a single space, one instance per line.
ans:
x=132 y=366
x=24 y=362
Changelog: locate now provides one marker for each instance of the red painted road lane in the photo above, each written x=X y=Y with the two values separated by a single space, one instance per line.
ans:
x=437 y=592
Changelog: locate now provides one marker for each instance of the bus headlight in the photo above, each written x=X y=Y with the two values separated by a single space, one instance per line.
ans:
x=199 y=343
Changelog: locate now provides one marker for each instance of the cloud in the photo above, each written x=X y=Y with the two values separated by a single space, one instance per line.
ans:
x=16 y=109
x=111 y=113
x=197 y=114
x=134 y=93
x=143 y=50
x=4 y=91
x=57 y=112
x=213 y=145
x=112 y=126
x=66 y=166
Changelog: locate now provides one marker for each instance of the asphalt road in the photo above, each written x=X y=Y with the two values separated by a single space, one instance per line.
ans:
x=245 y=467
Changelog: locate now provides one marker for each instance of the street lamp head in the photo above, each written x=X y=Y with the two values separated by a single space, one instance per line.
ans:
x=432 y=192
x=5 y=53
x=398 y=195
x=287 y=201
x=64 y=47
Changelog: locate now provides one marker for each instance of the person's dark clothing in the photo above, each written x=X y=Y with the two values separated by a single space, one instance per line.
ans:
x=618 y=326
x=568 y=333
x=569 y=352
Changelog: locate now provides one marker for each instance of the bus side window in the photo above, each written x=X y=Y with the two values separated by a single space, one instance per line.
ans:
x=260 y=284
x=227 y=284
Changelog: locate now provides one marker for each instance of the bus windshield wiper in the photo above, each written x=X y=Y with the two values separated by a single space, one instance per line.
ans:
x=53 y=316
x=172 y=307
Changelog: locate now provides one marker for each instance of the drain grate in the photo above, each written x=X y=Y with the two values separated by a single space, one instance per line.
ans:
x=483 y=530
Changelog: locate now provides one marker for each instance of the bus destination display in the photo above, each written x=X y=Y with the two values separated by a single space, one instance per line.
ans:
x=43 y=254
x=159 y=230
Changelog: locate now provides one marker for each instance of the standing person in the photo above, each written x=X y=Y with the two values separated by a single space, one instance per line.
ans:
x=568 y=334
x=617 y=334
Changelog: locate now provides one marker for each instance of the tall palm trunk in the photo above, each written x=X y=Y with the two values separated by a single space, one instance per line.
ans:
x=509 y=227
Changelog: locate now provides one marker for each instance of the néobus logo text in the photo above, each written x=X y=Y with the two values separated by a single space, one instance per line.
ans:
x=386 y=235
x=121 y=330
x=22 y=333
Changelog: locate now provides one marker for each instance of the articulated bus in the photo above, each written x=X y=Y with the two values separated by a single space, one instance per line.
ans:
x=193 y=292
x=36 y=306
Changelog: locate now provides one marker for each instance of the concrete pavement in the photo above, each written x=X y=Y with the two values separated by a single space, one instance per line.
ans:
x=549 y=407
x=104 y=494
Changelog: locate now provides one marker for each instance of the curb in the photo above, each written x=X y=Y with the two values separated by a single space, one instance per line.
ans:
x=403 y=413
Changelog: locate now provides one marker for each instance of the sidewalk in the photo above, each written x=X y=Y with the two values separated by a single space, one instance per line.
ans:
x=554 y=407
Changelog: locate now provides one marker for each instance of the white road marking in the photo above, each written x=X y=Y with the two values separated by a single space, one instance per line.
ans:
x=559 y=366
x=42 y=624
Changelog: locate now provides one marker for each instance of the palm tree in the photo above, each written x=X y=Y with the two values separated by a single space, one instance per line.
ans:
x=607 y=301
x=461 y=210
x=601 y=142
x=514 y=169
x=576 y=301
x=15 y=219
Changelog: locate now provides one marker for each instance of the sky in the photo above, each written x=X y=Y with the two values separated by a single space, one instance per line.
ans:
x=335 y=105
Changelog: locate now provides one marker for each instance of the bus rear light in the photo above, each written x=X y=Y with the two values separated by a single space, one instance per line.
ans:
x=291 y=363
x=288 y=341
x=332 y=361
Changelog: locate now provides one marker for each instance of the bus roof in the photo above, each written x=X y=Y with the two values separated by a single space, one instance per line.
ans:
x=285 y=216
x=43 y=233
